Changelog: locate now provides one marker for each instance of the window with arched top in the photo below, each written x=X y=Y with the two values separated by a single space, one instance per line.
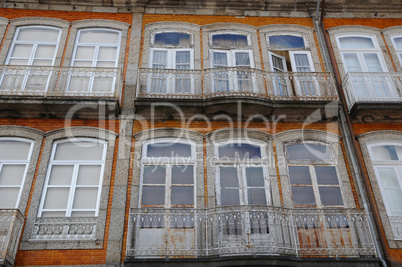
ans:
x=229 y=50
x=31 y=46
x=313 y=175
x=168 y=174
x=74 y=179
x=15 y=155
x=397 y=42
x=171 y=50
x=95 y=48
x=387 y=162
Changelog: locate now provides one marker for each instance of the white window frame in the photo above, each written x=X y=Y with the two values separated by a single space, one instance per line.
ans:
x=167 y=162
x=96 y=46
x=32 y=55
x=171 y=64
x=395 y=164
x=359 y=51
x=73 y=185
x=241 y=167
x=285 y=81
x=17 y=162
x=398 y=51
x=311 y=164
x=231 y=63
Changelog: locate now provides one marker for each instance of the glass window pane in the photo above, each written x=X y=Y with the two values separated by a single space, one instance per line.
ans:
x=352 y=62
x=14 y=150
x=303 y=195
x=12 y=175
x=89 y=175
x=45 y=51
x=388 y=178
x=38 y=34
x=107 y=53
x=286 y=41
x=398 y=42
x=307 y=151
x=394 y=198
x=82 y=213
x=98 y=36
x=220 y=59
x=169 y=150
x=230 y=197
x=330 y=196
x=372 y=62
x=254 y=176
x=12 y=77
x=159 y=59
x=9 y=196
x=85 y=198
x=232 y=40
x=228 y=177
x=56 y=198
x=182 y=195
x=239 y=151
x=326 y=175
x=182 y=174
x=299 y=175
x=85 y=52
x=61 y=175
x=154 y=175
x=302 y=63
x=172 y=38
x=22 y=50
x=385 y=152
x=356 y=42
x=256 y=196
x=153 y=195
x=242 y=59
x=44 y=78
x=53 y=214
x=85 y=150
x=182 y=58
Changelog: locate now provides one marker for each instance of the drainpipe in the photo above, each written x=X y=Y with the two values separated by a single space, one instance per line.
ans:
x=350 y=139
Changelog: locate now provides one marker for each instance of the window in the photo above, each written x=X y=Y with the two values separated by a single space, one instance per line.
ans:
x=74 y=179
x=168 y=171
x=231 y=51
x=95 y=48
x=15 y=154
x=290 y=53
x=362 y=54
x=33 y=46
x=171 y=50
x=241 y=176
x=397 y=40
x=313 y=177
x=387 y=163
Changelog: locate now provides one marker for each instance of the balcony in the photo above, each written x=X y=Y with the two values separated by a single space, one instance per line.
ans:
x=373 y=91
x=11 y=222
x=265 y=92
x=248 y=230
x=52 y=91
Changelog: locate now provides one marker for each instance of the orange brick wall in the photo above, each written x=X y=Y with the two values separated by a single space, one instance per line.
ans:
x=378 y=23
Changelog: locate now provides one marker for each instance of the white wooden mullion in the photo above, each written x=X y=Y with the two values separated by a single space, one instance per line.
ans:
x=70 y=201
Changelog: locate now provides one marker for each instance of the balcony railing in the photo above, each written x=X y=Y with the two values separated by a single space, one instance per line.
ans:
x=396 y=226
x=11 y=222
x=242 y=82
x=60 y=81
x=372 y=87
x=64 y=229
x=248 y=230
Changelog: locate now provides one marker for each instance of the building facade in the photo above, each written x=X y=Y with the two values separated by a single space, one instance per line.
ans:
x=156 y=133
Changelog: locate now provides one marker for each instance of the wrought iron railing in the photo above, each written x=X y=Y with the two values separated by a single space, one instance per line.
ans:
x=60 y=81
x=11 y=222
x=63 y=228
x=240 y=81
x=372 y=87
x=240 y=230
